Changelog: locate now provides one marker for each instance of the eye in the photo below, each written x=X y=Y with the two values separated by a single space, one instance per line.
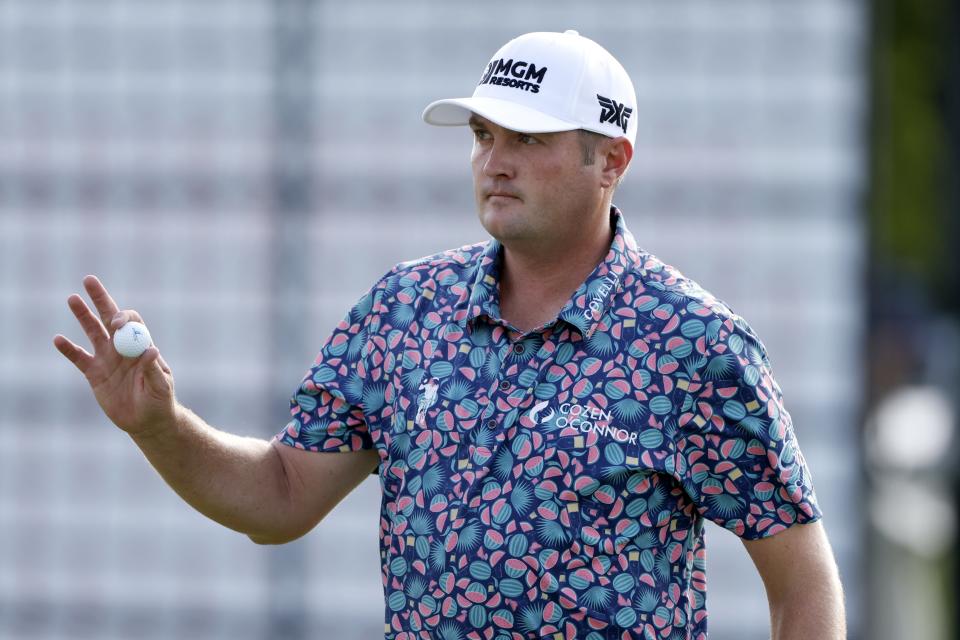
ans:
x=526 y=139
x=481 y=134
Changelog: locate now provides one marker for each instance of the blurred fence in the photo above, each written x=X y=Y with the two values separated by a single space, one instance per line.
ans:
x=241 y=171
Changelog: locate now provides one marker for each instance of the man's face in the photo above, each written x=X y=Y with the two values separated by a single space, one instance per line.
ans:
x=533 y=189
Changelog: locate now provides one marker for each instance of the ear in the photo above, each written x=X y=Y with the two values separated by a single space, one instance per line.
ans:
x=615 y=155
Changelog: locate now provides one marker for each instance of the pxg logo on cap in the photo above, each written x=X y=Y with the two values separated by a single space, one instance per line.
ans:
x=545 y=82
x=613 y=111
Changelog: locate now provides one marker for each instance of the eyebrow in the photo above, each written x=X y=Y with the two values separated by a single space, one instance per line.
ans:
x=474 y=121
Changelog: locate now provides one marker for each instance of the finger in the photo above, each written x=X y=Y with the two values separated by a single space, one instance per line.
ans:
x=164 y=366
x=153 y=373
x=90 y=324
x=101 y=299
x=121 y=318
x=77 y=355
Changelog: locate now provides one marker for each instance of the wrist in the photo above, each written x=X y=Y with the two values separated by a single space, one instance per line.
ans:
x=163 y=427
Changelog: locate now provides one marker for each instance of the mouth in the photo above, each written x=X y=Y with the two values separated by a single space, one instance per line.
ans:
x=501 y=194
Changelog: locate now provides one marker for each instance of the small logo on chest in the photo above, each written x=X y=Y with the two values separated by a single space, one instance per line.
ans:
x=427 y=400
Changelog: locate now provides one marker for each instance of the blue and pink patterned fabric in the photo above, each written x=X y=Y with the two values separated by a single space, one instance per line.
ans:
x=556 y=485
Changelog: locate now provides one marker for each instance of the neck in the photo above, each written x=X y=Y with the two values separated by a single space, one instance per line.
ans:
x=535 y=283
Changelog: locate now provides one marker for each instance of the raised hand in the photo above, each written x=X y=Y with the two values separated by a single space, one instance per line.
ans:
x=135 y=393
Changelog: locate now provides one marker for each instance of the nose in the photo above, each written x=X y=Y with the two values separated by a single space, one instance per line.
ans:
x=499 y=160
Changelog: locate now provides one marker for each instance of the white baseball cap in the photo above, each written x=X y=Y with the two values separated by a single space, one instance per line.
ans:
x=543 y=82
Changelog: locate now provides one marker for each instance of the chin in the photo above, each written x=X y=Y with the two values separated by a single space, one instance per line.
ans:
x=503 y=226
x=492 y=215
x=490 y=223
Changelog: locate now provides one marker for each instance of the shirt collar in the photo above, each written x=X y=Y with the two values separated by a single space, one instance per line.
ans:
x=589 y=303
x=484 y=297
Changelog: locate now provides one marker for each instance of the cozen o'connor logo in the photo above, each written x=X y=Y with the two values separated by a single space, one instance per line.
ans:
x=586 y=420
x=514 y=73
x=613 y=111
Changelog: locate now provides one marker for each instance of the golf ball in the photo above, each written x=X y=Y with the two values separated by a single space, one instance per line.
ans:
x=132 y=339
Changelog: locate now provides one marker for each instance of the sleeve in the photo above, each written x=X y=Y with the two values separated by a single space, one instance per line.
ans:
x=330 y=409
x=737 y=455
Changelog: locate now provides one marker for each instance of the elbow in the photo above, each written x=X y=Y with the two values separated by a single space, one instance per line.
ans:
x=293 y=530
x=276 y=538
x=283 y=521
x=260 y=539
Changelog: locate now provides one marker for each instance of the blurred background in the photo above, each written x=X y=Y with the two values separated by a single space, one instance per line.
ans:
x=241 y=171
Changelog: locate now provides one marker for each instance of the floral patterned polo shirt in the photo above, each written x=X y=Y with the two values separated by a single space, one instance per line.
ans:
x=555 y=485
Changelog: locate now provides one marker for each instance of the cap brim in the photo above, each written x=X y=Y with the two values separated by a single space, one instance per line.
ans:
x=510 y=115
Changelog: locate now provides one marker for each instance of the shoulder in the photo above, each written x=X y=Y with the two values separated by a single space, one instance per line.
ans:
x=414 y=282
x=413 y=287
x=685 y=308
x=445 y=267
x=464 y=257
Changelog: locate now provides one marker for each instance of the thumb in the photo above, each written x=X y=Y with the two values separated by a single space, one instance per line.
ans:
x=153 y=373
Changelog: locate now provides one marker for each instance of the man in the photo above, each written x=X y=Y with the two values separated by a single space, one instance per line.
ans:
x=552 y=414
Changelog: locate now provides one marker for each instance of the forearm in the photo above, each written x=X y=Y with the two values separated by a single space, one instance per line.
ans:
x=236 y=481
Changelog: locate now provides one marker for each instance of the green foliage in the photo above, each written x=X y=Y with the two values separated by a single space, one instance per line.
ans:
x=910 y=217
